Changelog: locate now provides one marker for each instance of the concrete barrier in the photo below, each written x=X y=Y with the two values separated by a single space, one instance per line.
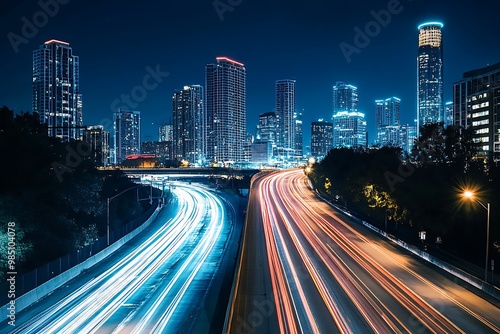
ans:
x=44 y=289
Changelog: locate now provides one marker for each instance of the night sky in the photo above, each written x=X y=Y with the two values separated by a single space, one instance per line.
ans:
x=117 y=40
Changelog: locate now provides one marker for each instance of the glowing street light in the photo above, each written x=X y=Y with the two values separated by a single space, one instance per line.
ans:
x=467 y=194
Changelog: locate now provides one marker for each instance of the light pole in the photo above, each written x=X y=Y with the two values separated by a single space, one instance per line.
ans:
x=470 y=195
x=107 y=211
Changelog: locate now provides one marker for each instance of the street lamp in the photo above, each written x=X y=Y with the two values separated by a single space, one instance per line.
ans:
x=109 y=201
x=470 y=195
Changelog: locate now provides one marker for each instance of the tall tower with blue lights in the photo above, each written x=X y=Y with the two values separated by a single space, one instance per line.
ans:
x=430 y=108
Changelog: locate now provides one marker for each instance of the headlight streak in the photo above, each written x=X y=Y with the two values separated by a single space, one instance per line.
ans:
x=407 y=298
x=282 y=188
x=202 y=251
x=88 y=308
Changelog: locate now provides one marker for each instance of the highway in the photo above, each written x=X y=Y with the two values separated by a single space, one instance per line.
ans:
x=309 y=269
x=158 y=284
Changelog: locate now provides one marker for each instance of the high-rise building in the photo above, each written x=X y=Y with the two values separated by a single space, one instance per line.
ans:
x=389 y=130
x=299 y=151
x=321 y=138
x=345 y=98
x=127 y=128
x=349 y=129
x=476 y=104
x=267 y=127
x=225 y=84
x=388 y=112
x=189 y=125
x=430 y=107
x=448 y=113
x=98 y=140
x=165 y=133
x=56 y=90
x=285 y=109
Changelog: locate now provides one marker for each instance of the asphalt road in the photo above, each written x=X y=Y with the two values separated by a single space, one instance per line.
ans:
x=157 y=283
x=306 y=268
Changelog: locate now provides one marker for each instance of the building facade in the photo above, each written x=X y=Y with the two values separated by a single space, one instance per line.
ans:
x=127 y=128
x=389 y=130
x=285 y=110
x=476 y=104
x=225 y=104
x=349 y=129
x=189 y=125
x=98 y=140
x=56 y=90
x=299 y=140
x=321 y=138
x=345 y=98
x=430 y=108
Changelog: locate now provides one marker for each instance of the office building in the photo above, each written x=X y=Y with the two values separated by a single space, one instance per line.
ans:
x=349 y=129
x=388 y=112
x=345 y=98
x=476 y=104
x=225 y=104
x=285 y=109
x=321 y=138
x=266 y=128
x=389 y=130
x=430 y=107
x=56 y=90
x=189 y=125
x=98 y=140
x=299 y=148
x=127 y=139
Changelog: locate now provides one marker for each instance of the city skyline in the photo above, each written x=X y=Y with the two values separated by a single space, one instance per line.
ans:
x=111 y=72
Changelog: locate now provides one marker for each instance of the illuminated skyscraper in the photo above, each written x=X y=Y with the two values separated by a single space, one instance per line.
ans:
x=189 y=125
x=56 y=90
x=321 y=138
x=285 y=109
x=349 y=129
x=388 y=123
x=430 y=107
x=299 y=151
x=225 y=84
x=345 y=98
x=127 y=139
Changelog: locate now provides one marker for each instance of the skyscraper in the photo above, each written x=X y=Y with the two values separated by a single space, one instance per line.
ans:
x=349 y=125
x=388 y=122
x=345 y=98
x=189 y=124
x=476 y=104
x=388 y=111
x=225 y=84
x=430 y=107
x=98 y=140
x=285 y=109
x=266 y=129
x=127 y=139
x=349 y=129
x=56 y=90
x=299 y=151
x=321 y=138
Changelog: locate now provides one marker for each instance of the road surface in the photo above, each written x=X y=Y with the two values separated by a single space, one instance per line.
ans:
x=306 y=268
x=157 y=284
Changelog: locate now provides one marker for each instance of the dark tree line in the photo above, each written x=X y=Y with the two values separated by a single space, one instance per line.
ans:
x=53 y=193
x=419 y=191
